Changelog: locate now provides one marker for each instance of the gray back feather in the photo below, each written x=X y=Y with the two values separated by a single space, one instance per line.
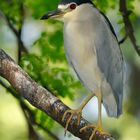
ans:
x=110 y=61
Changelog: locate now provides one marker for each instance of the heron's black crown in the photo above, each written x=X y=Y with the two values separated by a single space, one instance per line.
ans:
x=78 y=2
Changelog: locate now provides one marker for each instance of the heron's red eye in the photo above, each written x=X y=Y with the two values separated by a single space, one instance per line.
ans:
x=73 y=6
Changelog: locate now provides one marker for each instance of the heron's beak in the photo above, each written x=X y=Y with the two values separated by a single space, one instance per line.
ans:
x=58 y=13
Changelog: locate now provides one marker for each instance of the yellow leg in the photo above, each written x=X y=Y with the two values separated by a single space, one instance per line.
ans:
x=99 y=96
x=98 y=127
x=77 y=112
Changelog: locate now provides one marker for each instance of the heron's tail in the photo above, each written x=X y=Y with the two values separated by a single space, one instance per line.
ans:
x=112 y=105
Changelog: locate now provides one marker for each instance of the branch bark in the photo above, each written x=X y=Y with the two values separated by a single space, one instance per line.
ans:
x=42 y=98
x=28 y=112
x=128 y=25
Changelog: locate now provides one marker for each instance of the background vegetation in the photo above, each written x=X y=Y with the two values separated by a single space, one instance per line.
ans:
x=37 y=47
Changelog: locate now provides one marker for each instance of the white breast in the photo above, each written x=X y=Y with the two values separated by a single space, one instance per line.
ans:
x=80 y=51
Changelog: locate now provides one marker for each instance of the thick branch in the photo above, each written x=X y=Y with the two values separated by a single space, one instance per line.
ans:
x=31 y=119
x=32 y=133
x=41 y=98
x=128 y=25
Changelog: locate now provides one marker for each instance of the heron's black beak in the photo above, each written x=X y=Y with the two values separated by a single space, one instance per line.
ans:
x=53 y=14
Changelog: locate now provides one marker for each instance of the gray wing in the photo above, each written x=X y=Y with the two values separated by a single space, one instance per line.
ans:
x=110 y=60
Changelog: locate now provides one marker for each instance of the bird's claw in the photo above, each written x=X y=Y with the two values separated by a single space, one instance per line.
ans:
x=72 y=113
x=97 y=130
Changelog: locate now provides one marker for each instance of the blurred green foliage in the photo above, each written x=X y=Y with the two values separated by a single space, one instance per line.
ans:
x=46 y=62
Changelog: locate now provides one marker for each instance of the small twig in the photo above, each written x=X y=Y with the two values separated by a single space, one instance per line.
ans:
x=22 y=18
x=123 y=39
x=17 y=32
x=21 y=46
x=128 y=25
x=10 y=25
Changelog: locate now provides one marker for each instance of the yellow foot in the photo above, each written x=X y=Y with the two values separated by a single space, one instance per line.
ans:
x=72 y=113
x=97 y=130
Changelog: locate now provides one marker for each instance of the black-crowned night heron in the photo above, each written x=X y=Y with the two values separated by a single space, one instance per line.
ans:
x=92 y=50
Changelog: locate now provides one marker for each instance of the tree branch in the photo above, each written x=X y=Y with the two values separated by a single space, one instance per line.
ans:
x=21 y=46
x=32 y=133
x=28 y=112
x=128 y=25
x=41 y=98
x=17 y=32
